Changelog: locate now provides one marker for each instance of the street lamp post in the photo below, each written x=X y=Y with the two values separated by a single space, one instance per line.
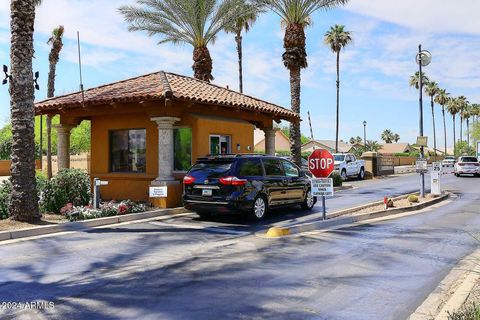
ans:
x=423 y=59
x=365 y=134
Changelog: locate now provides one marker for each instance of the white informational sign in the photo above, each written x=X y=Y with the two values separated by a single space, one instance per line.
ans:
x=158 y=192
x=421 y=166
x=436 y=183
x=437 y=167
x=322 y=187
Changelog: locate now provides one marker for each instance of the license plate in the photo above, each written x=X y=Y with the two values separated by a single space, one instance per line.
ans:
x=207 y=192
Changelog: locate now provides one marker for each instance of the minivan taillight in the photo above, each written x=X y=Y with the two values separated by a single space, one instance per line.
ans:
x=461 y=164
x=232 y=181
x=188 y=180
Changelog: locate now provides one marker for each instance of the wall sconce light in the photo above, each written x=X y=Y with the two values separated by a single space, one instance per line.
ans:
x=238 y=146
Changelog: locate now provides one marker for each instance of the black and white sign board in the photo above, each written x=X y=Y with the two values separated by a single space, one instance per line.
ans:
x=158 y=192
x=421 y=166
x=322 y=187
x=437 y=166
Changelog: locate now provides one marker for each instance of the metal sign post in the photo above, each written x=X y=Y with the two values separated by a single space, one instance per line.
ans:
x=96 y=191
x=322 y=187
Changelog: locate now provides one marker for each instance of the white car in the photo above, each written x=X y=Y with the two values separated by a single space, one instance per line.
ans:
x=449 y=161
x=347 y=165
x=467 y=165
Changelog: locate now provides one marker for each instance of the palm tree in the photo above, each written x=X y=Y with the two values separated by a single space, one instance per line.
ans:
x=414 y=80
x=431 y=89
x=337 y=38
x=442 y=99
x=396 y=137
x=466 y=114
x=356 y=140
x=462 y=104
x=23 y=203
x=453 y=109
x=387 y=136
x=295 y=16
x=475 y=110
x=195 y=22
x=56 y=42
x=243 y=23
x=372 y=145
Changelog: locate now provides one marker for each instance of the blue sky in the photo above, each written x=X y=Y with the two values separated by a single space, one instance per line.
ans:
x=374 y=70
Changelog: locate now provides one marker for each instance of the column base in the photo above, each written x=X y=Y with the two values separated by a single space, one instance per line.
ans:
x=174 y=194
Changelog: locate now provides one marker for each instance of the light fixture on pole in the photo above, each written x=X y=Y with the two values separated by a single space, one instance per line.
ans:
x=423 y=59
x=365 y=134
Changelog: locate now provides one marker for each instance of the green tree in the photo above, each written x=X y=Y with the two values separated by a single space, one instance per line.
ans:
x=442 y=98
x=431 y=89
x=355 y=140
x=195 y=22
x=415 y=80
x=243 y=24
x=396 y=137
x=462 y=104
x=463 y=149
x=23 y=202
x=387 y=136
x=337 y=38
x=286 y=131
x=295 y=16
x=466 y=115
x=57 y=44
x=453 y=109
x=372 y=145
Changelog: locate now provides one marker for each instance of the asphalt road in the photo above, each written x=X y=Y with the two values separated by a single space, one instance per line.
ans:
x=186 y=268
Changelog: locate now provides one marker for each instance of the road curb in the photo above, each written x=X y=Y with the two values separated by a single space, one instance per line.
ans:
x=82 y=225
x=345 y=187
x=335 y=219
x=452 y=292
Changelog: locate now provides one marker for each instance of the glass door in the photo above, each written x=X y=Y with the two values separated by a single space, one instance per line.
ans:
x=220 y=144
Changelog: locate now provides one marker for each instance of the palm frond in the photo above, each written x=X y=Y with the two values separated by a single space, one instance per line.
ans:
x=298 y=11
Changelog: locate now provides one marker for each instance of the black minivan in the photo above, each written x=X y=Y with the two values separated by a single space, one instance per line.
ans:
x=245 y=183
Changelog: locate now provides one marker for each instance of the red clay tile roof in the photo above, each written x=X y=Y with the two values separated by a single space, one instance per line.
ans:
x=158 y=85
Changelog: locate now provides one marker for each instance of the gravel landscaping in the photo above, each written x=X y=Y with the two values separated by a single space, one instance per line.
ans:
x=402 y=203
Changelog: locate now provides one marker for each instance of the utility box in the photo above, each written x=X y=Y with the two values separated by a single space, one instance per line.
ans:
x=436 y=183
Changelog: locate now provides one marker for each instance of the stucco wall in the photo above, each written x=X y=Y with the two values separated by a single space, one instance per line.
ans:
x=135 y=185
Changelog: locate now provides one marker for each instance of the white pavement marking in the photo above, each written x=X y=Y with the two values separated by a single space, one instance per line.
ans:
x=202 y=228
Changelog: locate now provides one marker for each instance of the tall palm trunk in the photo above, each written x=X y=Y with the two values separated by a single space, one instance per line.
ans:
x=23 y=204
x=238 y=40
x=53 y=57
x=295 y=134
x=202 y=64
x=338 y=102
x=454 y=137
x=434 y=129
x=295 y=58
x=461 y=128
x=444 y=130
x=468 y=132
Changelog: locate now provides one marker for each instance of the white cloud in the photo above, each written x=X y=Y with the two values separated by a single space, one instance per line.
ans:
x=427 y=15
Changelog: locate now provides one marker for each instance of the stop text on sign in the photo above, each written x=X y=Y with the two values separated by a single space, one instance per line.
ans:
x=320 y=163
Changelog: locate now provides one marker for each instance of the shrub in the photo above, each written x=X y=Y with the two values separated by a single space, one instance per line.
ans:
x=469 y=312
x=337 y=179
x=412 y=198
x=108 y=209
x=68 y=186
x=5 y=191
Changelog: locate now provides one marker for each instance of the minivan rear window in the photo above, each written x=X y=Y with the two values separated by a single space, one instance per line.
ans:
x=211 y=169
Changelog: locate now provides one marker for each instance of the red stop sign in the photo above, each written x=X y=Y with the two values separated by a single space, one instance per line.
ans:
x=321 y=163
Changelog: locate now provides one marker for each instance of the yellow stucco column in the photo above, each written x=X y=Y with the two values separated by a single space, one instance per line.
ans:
x=166 y=164
x=270 y=140
x=63 y=145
